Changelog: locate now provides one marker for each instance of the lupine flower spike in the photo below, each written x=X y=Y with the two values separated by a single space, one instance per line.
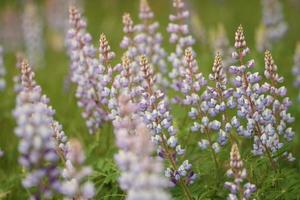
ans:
x=149 y=41
x=75 y=186
x=181 y=37
x=87 y=73
x=37 y=146
x=2 y=71
x=156 y=114
x=279 y=130
x=273 y=26
x=239 y=188
x=141 y=174
x=251 y=102
x=191 y=84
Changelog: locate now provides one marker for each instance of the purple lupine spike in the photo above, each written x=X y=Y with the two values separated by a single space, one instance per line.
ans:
x=75 y=185
x=124 y=82
x=2 y=71
x=192 y=82
x=252 y=104
x=88 y=73
x=149 y=42
x=141 y=174
x=239 y=188
x=37 y=145
x=273 y=27
x=180 y=36
x=156 y=114
x=32 y=26
x=279 y=104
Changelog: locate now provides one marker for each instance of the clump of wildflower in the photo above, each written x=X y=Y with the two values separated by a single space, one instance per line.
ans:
x=75 y=185
x=141 y=174
x=37 y=145
x=220 y=43
x=2 y=71
x=279 y=104
x=296 y=68
x=238 y=188
x=252 y=104
x=33 y=34
x=88 y=73
x=273 y=26
x=156 y=114
x=180 y=36
x=148 y=42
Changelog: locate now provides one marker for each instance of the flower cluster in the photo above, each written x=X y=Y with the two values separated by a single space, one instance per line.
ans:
x=141 y=174
x=207 y=106
x=281 y=118
x=88 y=72
x=156 y=114
x=148 y=42
x=260 y=105
x=180 y=36
x=75 y=185
x=273 y=26
x=251 y=104
x=43 y=143
x=238 y=189
x=33 y=34
x=37 y=146
x=2 y=70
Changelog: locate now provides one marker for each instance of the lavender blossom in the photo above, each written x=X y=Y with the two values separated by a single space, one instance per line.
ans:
x=2 y=71
x=88 y=73
x=37 y=145
x=252 y=104
x=33 y=34
x=238 y=188
x=180 y=36
x=273 y=26
x=279 y=131
x=156 y=114
x=148 y=42
x=141 y=174
x=75 y=185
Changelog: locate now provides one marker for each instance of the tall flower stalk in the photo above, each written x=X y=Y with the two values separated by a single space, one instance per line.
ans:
x=279 y=130
x=37 y=145
x=149 y=42
x=88 y=72
x=238 y=189
x=156 y=114
x=179 y=36
x=251 y=103
x=273 y=26
x=141 y=174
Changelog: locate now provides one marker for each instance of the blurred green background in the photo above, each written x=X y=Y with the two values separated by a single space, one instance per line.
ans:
x=104 y=16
